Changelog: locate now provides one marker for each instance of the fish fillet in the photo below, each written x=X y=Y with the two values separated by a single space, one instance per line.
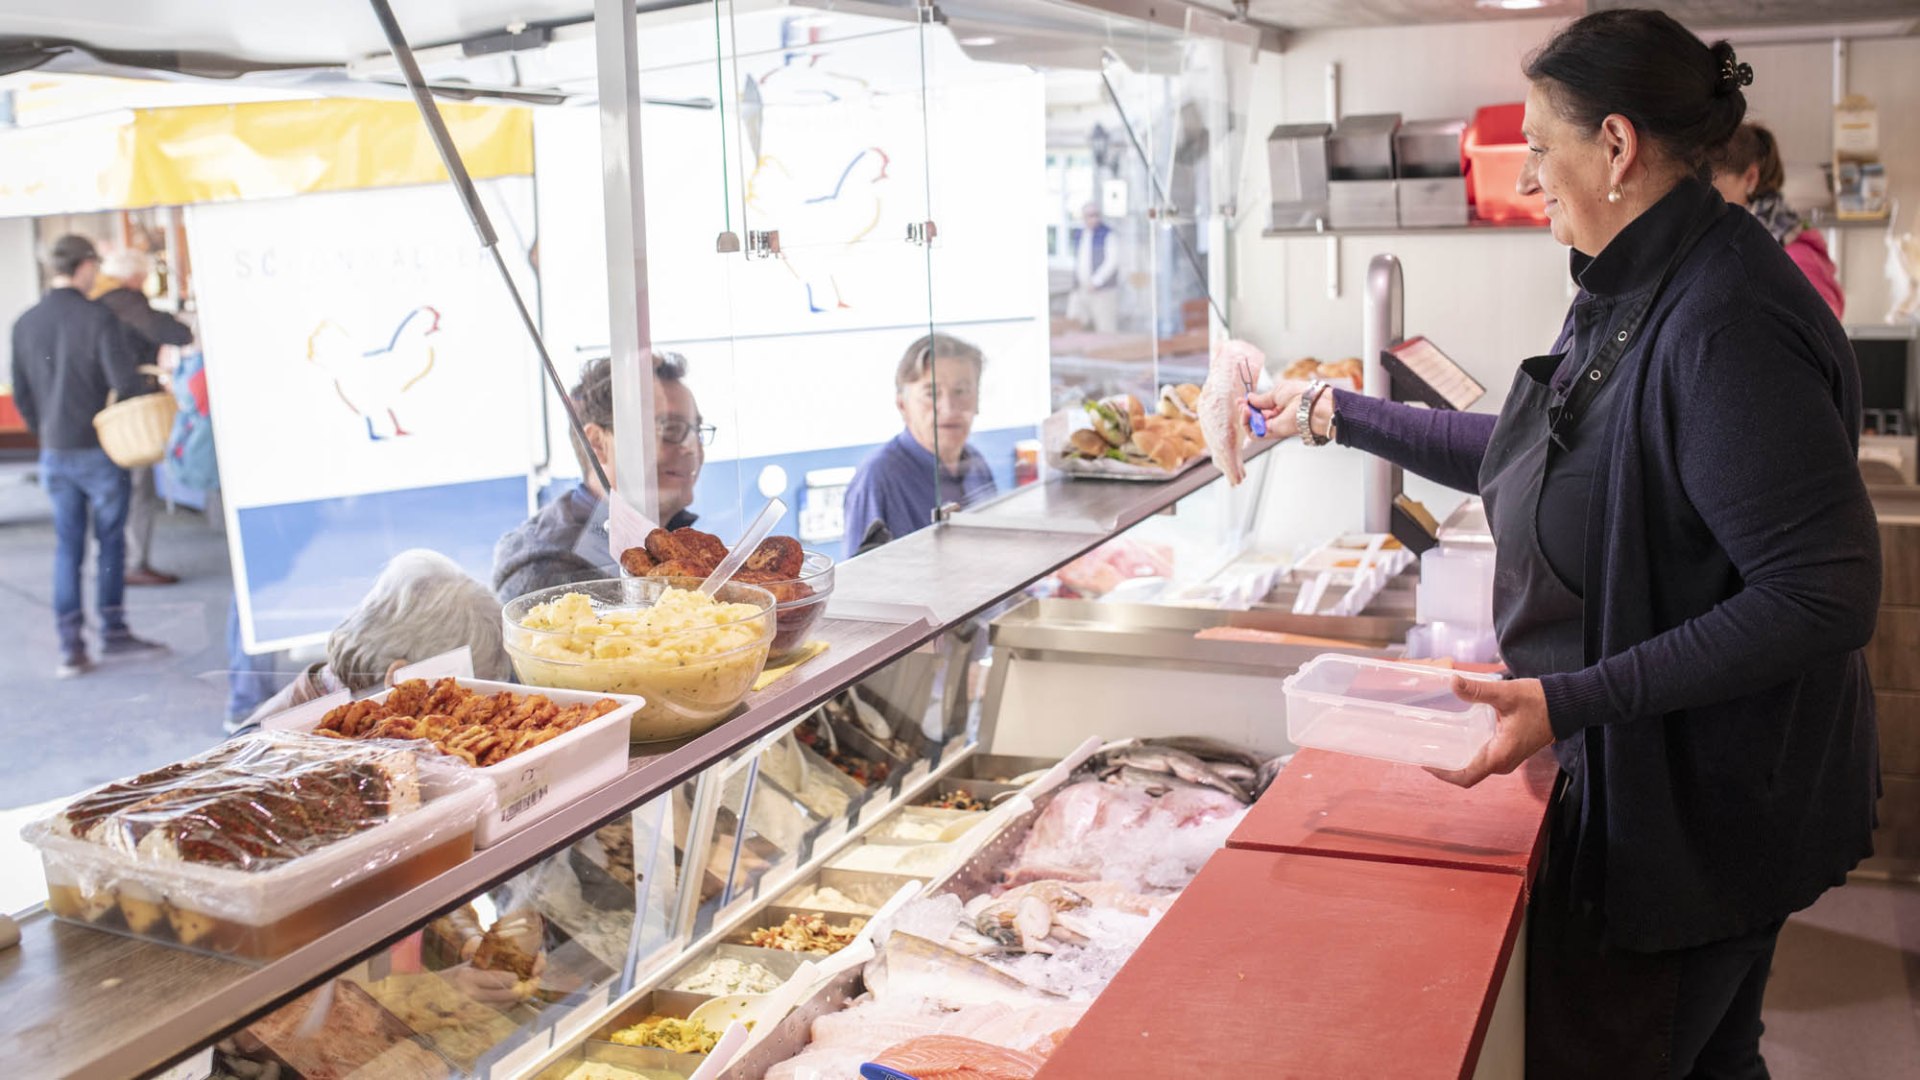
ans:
x=1223 y=410
x=949 y=1057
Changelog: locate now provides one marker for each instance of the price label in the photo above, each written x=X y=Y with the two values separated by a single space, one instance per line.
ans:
x=590 y=1009
x=918 y=773
x=524 y=792
x=831 y=835
x=875 y=808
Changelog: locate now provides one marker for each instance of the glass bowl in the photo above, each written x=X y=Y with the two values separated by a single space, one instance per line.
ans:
x=691 y=677
x=794 y=619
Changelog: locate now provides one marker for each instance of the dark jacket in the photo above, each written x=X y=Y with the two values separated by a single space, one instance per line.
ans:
x=1728 y=758
x=68 y=352
x=153 y=328
x=564 y=542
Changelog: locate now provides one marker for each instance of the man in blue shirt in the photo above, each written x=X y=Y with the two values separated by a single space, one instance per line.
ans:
x=937 y=388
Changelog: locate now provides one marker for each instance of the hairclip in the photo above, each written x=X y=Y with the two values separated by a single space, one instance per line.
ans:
x=1734 y=75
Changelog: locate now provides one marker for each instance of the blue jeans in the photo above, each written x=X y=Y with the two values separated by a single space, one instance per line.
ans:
x=83 y=484
x=250 y=678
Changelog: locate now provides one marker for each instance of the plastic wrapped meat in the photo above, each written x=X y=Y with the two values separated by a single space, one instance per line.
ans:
x=949 y=1057
x=1223 y=404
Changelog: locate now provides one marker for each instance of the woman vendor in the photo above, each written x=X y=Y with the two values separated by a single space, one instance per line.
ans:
x=1687 y=567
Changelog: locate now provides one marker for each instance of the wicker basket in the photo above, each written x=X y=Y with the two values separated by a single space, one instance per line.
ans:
x=134 y=432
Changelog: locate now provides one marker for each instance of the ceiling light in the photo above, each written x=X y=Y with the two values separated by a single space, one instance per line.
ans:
x=977 y=42
x=1513 y=5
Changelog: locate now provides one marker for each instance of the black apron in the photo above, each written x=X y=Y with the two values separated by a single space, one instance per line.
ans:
x=1581 y=995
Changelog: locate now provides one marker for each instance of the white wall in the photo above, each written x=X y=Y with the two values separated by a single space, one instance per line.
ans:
x=1488 y=300
x=19 y=282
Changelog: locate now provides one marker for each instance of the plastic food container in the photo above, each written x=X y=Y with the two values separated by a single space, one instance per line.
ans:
x=794 y=619
x=132 y=873
x=1380 y=709
x=1495 y=152
x=535 y=782
x=690 y=679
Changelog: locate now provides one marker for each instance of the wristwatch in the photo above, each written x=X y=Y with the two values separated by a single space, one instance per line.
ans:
x=1304 y=415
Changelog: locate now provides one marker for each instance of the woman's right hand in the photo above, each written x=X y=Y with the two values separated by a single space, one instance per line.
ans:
x=1281 y=407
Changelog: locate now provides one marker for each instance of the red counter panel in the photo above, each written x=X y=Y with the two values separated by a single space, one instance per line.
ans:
x=1290 y=966
x=1352 y=807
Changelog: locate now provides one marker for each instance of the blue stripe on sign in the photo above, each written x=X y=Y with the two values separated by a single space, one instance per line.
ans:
x=309 y=563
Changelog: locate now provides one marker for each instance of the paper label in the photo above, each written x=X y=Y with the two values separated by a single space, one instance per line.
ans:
x=874 y=809
x=917 y=773
x=830 y=836
x=524 y=792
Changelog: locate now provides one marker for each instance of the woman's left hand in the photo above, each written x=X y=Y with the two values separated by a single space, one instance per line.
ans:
x=1520 y=709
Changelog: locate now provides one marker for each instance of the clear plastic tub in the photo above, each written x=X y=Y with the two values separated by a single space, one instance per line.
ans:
x=538 y=781
x=794 y=619
x=196 y=854
x=1380 y=709
x=691 y=678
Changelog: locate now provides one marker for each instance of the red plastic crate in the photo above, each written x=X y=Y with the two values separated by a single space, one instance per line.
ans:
x=1495 y=151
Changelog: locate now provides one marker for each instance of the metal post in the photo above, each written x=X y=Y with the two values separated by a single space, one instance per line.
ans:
x=630 y=338
x=1383 y=326
x=470 y=200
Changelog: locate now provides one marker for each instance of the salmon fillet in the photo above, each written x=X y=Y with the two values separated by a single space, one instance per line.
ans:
x=949 y=1057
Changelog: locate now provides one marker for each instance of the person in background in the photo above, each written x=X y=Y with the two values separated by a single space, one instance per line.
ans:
x=68 y=354
x=1747 y=172
x=566 y=541
x=422 y=604
x=121 y=287
x=930 y=463
x=1095 y=303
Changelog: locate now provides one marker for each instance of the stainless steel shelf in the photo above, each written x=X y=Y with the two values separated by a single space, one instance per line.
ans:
x=87 y=1003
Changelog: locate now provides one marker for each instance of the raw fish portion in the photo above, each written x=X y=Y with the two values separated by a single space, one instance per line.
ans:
x=949 y=1057
x=1223 y=404
x=914 y=968
x=1108 y=832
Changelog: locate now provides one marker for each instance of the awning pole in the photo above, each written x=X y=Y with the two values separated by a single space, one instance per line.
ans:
x=476 y=213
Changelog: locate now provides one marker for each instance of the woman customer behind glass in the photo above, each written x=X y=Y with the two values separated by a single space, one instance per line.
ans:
x=1687 y=568
x=1747 y=172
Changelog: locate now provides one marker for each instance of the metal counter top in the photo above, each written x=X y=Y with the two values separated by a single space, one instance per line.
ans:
x=92 y=1004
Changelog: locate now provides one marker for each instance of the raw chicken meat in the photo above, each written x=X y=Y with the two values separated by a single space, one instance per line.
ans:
x=949 y=1057
x=1223 y=407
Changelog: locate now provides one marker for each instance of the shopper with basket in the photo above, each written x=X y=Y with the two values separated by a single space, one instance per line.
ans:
x=70 y=358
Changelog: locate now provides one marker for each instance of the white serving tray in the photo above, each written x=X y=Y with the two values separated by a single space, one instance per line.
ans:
x=532 y=784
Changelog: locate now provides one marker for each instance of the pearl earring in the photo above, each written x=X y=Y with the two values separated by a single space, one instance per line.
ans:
x=1614 y=195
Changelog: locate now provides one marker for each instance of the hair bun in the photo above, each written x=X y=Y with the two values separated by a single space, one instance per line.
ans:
x=1733 y=74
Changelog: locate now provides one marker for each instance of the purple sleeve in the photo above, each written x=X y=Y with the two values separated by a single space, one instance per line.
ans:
x=1442 y=445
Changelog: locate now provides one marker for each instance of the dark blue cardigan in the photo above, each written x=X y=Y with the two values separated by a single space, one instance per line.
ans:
x=1732 y=577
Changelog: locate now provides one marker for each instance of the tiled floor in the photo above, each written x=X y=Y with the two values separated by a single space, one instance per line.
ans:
x=1844 y=1002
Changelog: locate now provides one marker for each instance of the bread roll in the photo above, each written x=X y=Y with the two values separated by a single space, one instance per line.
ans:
x=1161 y=445
x=1087 y=443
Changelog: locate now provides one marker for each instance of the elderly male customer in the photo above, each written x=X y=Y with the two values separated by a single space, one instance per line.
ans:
x=68 y=353
x=1095 y=303
x=566 y=541
x=121 y=287
x=930 y=463
x=422 y=604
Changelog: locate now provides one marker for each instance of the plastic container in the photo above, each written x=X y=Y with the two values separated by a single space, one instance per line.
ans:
x=1384 y=710
x=1456 y=586
x=127 y=869
x=1495 y=152
x=690 y=679
x=535 y=782
x=794 y=619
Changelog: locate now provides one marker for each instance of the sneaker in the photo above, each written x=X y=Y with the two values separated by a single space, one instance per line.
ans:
x=147 y=575
x=73 y=662
x=123 y=643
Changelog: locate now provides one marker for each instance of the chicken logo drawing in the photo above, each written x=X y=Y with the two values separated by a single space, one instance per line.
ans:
x=372 y=382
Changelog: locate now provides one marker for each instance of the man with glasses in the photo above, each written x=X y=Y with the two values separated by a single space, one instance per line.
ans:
x=566 y=541
x=895 y=491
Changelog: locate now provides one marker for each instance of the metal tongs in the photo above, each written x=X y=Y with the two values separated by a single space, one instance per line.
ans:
x=1255 y=418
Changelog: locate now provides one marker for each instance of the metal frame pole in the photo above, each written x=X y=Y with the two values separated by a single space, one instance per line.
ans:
x=470 y=199
x=1383 y=326
x=630 y=337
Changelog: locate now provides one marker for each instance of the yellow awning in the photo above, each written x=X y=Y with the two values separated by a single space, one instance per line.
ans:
x=256 y=150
